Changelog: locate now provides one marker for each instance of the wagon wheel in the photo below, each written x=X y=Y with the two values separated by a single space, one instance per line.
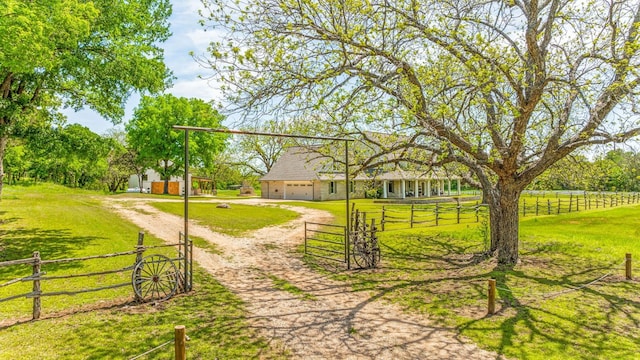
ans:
x=154 y=278
x=362 y=253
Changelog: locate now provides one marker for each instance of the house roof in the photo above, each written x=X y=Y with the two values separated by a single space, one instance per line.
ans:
x=300 y=164
x=297 y=164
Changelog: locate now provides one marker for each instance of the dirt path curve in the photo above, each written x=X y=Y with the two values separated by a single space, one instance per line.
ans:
x=338 y=324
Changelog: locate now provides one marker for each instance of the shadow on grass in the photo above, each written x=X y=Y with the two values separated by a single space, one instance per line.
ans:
x=20 y=243
x=550 y=323
x=446 y=279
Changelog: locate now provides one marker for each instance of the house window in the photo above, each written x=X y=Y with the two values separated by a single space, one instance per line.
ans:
x=352 y=186
x=145 y=177
x=332 y=187
x=390 y=187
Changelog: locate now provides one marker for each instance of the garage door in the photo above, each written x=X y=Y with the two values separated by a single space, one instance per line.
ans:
x=298 y=191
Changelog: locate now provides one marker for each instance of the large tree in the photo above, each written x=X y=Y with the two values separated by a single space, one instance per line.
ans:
x=71 y=53
x=151 y=135
x=506 y=88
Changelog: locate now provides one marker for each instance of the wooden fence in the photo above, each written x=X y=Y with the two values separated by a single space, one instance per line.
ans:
x=436 y=214
x=574 y=203
x=38 y=276
x=401 y=216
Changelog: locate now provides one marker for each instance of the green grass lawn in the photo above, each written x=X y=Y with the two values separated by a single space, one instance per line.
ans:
x=440 y=271
x=64 y=223
x=234 y=221
x=213 y=317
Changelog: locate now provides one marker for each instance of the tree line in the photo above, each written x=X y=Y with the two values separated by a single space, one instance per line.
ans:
x=615 y=170
x=74 y=156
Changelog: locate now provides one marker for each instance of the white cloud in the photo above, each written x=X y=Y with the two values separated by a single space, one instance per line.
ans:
x=195 y=88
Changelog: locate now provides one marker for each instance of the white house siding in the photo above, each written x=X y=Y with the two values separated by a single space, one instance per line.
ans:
x=153 y=176
x=272 y=189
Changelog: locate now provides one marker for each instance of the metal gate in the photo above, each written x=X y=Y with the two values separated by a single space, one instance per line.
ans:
x=326 y=241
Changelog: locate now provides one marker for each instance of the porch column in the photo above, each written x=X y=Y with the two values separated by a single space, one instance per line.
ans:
x=384 y=189
x=415 y=188
x=448 y=187
x=458 y=185
x=429 y=188
x=403 y=189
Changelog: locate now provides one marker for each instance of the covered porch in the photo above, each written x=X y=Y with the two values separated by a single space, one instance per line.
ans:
x=402 y=184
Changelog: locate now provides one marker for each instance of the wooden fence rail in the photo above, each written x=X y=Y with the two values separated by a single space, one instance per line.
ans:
x=575 y=203
x=37 y=275
x=437 y=214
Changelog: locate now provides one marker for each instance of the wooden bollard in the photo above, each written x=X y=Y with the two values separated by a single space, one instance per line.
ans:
x=180 y=342
x=628 y=266
x=492 y=297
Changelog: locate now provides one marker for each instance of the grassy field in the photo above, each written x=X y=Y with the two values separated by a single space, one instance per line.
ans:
x=63 y=223
x=235 y=221
x=440 y=271
x=545 y=311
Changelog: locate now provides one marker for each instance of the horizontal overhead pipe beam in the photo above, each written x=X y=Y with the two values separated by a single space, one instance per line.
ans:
x=242 y=132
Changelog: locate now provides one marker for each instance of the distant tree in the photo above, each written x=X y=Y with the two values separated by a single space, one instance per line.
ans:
x=506 y=88
x=258 y=153
x=72 y=155
x=17 y=160
x=151 y=135
x=57 y=53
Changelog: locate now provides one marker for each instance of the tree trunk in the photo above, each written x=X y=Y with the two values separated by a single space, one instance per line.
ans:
x=4 y=139
x=503 y=214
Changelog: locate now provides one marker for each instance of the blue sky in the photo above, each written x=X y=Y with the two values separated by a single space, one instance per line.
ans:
x=188 y=36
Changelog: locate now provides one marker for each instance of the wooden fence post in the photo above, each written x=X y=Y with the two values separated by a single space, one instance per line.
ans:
x=382 y=221
x=437 y=214
x=548 y=206
x=570 y=202
x=458 y=208
x=139 y=251
x=524 y=207
x=558 y=206
x=492 y=297
x=180 y=342
x=628 y=266
x=139 y=246
x=36 y=285
x=537 y=206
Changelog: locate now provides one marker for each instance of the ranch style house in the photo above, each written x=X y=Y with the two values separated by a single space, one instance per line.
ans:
x=300 y=174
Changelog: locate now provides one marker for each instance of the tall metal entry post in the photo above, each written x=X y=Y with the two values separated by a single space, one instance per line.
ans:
x=347 y=188
x=239 y=132
x=187 y=188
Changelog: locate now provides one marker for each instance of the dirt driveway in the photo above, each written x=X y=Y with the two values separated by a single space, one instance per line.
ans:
x=337 y=324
